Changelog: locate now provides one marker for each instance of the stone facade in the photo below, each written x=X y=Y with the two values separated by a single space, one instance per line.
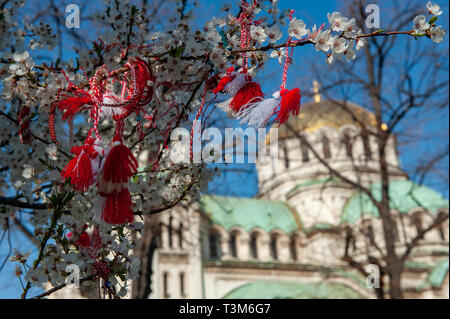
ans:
x=219 y=259
x=290 y=240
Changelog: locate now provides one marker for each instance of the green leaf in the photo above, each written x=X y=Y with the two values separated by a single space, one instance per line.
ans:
x=122 y=277
x=432 y=20
x=225 y=43
x=133 y=10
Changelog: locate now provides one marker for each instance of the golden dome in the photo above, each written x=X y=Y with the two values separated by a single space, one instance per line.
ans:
x=326 y=113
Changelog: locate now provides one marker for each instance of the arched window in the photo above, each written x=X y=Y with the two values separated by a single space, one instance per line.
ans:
x=293 y=248
x=182 y=285
x=349 y=240
x=346 y=140
x=170 y=231
x=416 y=220
x=371 y=235
x=214 y=245
x=326 y=146
x=159 y=241
x=304 y=149
x=366 y=145
x=233 y=245
x=286 y=155
x=180 y=236
x=166 y=285
x=273 y=247
x=441 y=216
x=254 y=245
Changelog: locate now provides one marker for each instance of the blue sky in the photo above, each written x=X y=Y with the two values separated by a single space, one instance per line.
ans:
x=315 y=12
x=244 y=182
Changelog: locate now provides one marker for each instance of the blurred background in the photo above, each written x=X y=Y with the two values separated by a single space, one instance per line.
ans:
x=300 y=230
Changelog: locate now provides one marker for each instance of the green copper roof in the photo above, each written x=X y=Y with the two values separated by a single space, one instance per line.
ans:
x=250 y=213
x=438 y=273
x=292 y=290
x=404 y=196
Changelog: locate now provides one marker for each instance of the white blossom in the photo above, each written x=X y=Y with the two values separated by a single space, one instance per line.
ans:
x=338 y=45
x=322 y=41
x=257 y=33
x=360 y=43
x=437 y=34
x=297 y=28
x=337 y=21
x=420 y=24
x=274 y=34
x=350 y=29
x=23 y=63
x=280 y=54
x=193 y=48
x=218 y=58
x=434 y=9
x=36 y=276
x=350 y=52
x=28 y=171
x=20 y=257
x=52 y=151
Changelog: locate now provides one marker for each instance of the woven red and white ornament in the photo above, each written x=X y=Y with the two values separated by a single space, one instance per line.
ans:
x=240 y=85
x=283 y=103
x=117 y=168
x=110 y=169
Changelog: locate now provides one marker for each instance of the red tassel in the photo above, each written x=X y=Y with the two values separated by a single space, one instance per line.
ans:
x=120 y=164
x=223 y=83
x=225 y=80
x=118 y=208
x=79 y=169
x=73 y=105
x=248 y=93
x=84 y=240
x=290 y=104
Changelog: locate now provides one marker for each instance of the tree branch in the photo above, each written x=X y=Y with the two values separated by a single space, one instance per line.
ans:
x=49 y=292
x=437 y=222
x=12 y=201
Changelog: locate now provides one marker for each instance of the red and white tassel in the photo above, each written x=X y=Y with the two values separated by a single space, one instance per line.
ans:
x=227 y=78
x=72 y=105
x=79 y=169
x=258 y=113
x=290 y=104
x=114 y=205
x=117 y=207
x=120 y=164
x=237 y=83
x=245 y=95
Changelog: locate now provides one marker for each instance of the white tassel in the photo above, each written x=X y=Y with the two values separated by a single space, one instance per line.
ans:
x=97 y=208
x=238 y=83
x=258 y=113
x=225 y=106
x=109 y=105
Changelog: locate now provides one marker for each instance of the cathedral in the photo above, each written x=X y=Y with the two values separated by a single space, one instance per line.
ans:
x=289 y=241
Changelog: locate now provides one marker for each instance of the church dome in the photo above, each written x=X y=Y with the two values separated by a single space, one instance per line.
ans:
x=326 y=113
